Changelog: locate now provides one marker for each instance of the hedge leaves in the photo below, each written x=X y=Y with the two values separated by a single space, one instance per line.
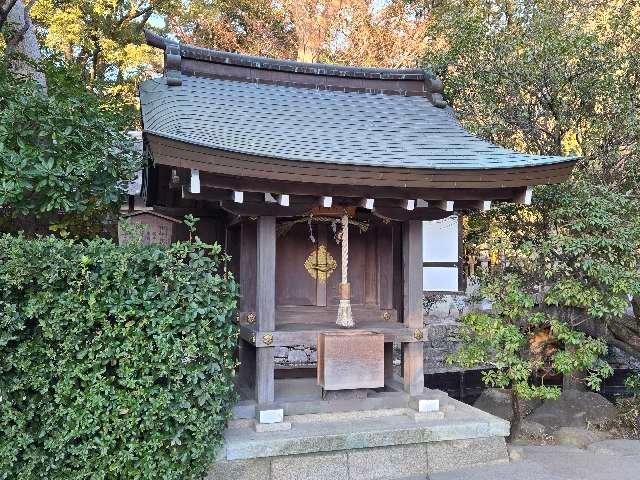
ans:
x=115 y=362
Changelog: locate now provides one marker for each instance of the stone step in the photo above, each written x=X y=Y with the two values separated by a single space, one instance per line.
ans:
x=412 y=461
x=328 y=432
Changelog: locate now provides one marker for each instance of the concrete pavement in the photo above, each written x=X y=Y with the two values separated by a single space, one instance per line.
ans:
x=606 y=460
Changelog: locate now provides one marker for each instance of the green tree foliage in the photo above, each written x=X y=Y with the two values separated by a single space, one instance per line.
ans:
x=115 y=362
x=524 y=345
x=104 y=38
x=552 y=78
x=64 y=155
x=547 y=77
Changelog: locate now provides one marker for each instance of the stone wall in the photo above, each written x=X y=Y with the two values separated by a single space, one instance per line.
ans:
x=297 y=356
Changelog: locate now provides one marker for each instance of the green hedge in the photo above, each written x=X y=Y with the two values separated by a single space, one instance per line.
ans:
x=115 y=362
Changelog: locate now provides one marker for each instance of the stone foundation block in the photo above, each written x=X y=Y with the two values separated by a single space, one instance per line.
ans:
x=459 y=454
x=253 y=469
x=388 y=462
x=319 y=466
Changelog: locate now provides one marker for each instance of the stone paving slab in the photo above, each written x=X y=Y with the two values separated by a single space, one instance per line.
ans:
x=611 y=460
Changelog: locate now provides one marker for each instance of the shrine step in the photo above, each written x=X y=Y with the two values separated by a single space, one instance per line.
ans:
x=413 y=461
x=365 y=445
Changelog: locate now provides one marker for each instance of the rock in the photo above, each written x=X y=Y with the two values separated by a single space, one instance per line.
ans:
x=532 y=429
x=497 y=401
x=282 y=352
x=623 y=448
x=577 y=437
x=573 y=409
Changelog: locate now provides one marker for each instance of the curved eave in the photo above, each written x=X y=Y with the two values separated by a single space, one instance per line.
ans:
x=168 y=150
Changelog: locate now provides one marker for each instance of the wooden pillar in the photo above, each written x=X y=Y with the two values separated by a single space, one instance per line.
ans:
x=412 y=353
x=265 y=306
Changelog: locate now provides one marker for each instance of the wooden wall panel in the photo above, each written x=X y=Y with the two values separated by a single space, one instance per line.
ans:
x=294 y=285
x=384 y=247
x=371 y=267
x=247 y=262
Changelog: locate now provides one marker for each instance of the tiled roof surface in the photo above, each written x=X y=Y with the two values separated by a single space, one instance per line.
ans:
x=312 y=125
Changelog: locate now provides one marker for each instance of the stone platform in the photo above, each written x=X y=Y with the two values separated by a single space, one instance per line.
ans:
x=384 y=443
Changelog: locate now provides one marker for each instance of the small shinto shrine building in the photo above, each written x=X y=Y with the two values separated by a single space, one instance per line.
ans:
x=302 y=170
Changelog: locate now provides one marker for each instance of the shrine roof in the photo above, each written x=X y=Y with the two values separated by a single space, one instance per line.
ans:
x=325 y=114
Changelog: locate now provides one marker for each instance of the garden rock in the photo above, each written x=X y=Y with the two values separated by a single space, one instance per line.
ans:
x=577 y=437
x=532 y=429
x=497 y=401
x=573 y=409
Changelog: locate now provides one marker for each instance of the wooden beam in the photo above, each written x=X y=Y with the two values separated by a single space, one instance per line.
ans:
x=367 y=203
x=195 y=181
x=309 y=336
x=401 y=214
x=248 y=209
x=413 y=353
x=237 y=197
x=326 y=202
x=265 y=305
x=283 y=200
x=230 y=182
x=525 y=196
x=446 y=205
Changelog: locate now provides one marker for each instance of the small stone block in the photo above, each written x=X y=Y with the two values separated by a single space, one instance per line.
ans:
x=271 y=427
x=269 y=414
x=424 y=405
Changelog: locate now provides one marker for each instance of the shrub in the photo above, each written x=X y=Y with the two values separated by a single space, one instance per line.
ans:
x=115 y=362
x=524 y=345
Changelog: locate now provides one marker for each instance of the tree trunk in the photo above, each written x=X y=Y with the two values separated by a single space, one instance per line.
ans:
x=516 y=422
x=635 y=304
x=22 y=41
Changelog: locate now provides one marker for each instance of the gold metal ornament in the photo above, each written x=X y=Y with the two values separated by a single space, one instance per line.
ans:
x=418 y=334
x=267 y=339
x=251 y=318
x=320 y=264
x=253 y=338
x=386 y=316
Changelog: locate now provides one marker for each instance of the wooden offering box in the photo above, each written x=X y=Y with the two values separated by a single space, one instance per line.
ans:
x=350 y=359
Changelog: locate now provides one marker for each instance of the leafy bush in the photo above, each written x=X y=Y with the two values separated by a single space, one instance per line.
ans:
x=524 y=345
x=64 y=155
x=115 y=362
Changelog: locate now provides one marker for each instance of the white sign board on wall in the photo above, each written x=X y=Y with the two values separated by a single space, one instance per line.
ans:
x=440 y=245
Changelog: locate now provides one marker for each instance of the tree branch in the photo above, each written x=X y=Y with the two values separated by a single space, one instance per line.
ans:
x=5 y=9
x=14 y=41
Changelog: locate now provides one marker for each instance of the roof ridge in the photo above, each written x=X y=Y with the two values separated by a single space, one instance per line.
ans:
x=268 y=63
